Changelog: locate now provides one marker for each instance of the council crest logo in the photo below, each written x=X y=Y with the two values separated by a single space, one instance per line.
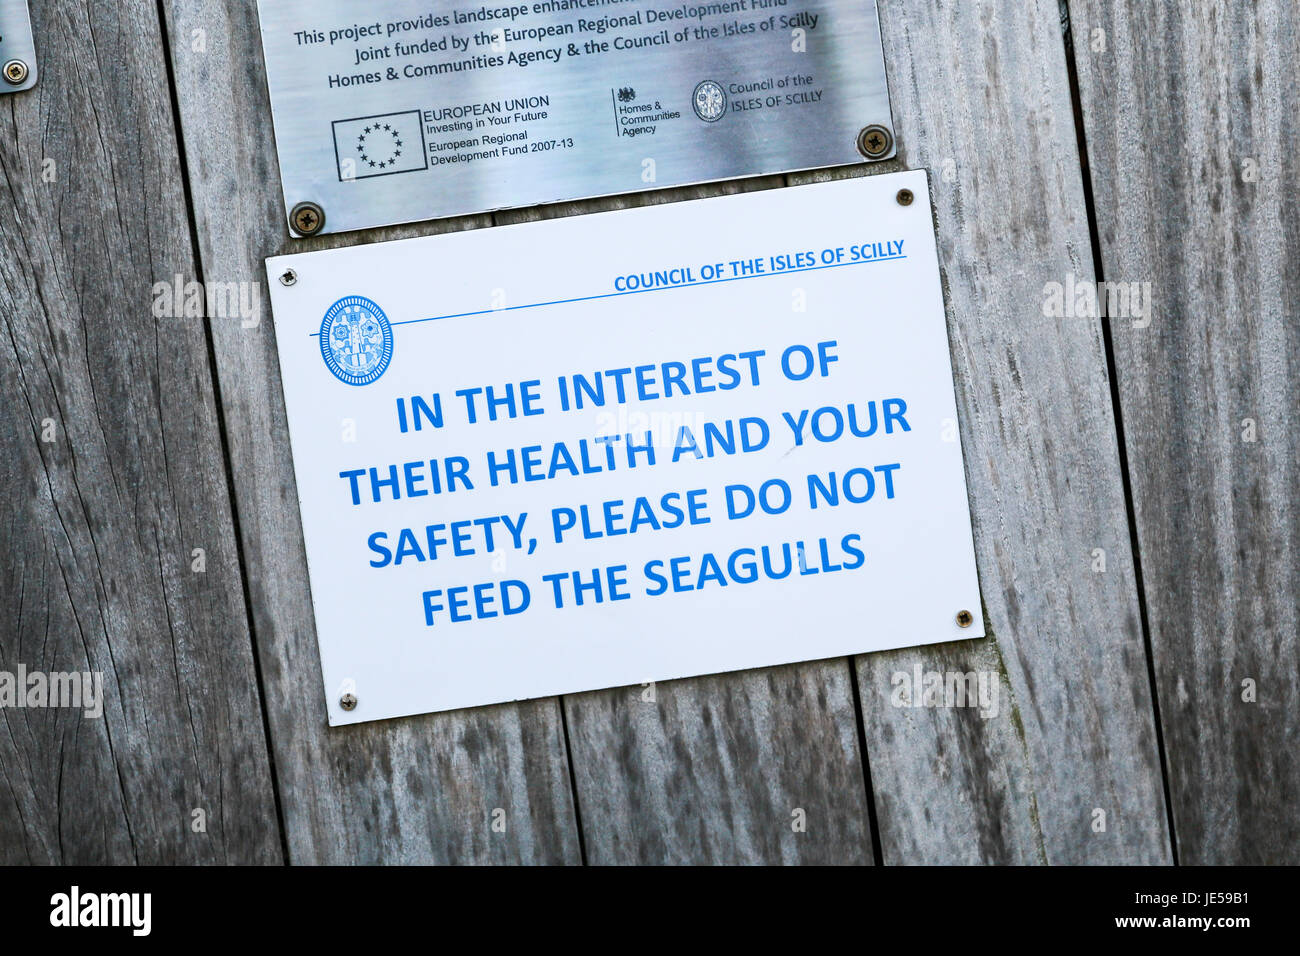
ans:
x=356 y=340
x=710 y=101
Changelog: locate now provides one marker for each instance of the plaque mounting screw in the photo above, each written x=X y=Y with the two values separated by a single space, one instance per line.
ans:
x=348 y=701
x=288 y=277
x=964 y=618
x=875 y=141
x=905 y=197
x=15 y=71
x=307 y=218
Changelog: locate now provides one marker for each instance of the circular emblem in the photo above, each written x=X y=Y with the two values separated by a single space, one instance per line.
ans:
x=356 y=340
x=710 y=101
x=379 y=146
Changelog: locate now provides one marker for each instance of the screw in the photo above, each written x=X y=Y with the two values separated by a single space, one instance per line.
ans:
x=288 y=277
x=307 y=218
x=964 y=618
x=875 y=141
x=905 y=197
x=348 y=701
x=15 y=71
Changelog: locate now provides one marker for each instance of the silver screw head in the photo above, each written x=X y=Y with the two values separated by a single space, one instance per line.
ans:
x=15 y=71
x=875 y=141
x=307 y=218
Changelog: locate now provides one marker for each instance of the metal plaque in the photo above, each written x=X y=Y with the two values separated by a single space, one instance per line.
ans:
x=502 y=500
x=17 y=49
x=403 y=110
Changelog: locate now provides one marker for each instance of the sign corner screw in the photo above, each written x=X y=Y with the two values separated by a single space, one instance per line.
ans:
x=288 y=277
x=15 y=71
x=964 y=618
x=875 y=141
x=307 y=218
x=905 y=197
x=348 y=701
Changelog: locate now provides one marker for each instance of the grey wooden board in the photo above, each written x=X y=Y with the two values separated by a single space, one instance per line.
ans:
x=982 y=94
x=99 y=524
x=1184 y=104
x=720 y=769
x=416 y=790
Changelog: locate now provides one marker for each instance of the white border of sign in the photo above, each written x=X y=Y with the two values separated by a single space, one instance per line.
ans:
x=842 y=262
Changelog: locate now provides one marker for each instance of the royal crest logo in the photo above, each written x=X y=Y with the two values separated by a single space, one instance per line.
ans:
x=710 y=101
x=356 y=340
x=626 y=94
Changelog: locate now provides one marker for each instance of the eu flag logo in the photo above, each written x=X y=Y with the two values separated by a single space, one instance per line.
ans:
x=379 y=145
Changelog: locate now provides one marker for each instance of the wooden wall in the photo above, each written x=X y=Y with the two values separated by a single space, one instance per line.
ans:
x=1104 y=140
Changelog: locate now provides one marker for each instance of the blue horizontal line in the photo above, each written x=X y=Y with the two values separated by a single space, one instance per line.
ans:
x=662 y=288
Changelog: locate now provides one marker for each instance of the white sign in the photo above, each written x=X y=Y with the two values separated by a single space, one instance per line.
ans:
x=627 y=447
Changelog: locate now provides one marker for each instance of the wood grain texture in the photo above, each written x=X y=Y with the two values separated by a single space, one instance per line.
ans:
x=1193 y=126
x=713 y=769
x=718 y=769
x=981 y=98
x=414 y=790
x=100 y=522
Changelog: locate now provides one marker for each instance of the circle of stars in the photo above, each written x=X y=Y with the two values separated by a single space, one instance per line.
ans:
x=365 y=148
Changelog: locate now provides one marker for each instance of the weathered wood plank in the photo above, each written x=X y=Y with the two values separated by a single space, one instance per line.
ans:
x=981 y=97
x=720 y=769
x=1193 y=127
x=415 y=790
x=713 y=769
x=111 y=475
